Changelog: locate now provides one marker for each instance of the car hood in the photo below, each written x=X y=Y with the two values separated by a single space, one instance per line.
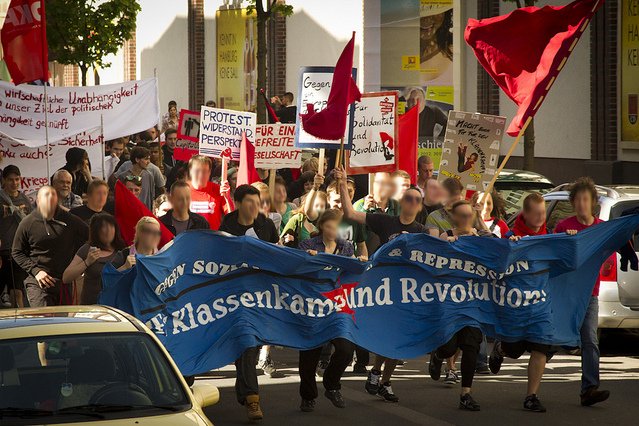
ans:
x=186 y=418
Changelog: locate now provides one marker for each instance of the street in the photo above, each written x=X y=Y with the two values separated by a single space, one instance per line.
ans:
x=423 y=401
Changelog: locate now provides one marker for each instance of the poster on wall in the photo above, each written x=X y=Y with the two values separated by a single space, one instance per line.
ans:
x=314 y=88
x=236 y=64
x=629 y=55
x=221 y=132
x=471 y=148
x=374 y=134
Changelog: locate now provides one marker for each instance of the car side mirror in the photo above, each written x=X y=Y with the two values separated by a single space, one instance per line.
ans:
x=205 y=394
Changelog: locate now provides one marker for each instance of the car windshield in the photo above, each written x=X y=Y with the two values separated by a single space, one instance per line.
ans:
x=514 y=196
x=71 y=378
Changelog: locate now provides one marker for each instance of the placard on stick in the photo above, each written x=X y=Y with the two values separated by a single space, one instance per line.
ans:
x=314 y=88
x=189 y=125
x=471 y=148
x=374 y=134
x=221 y=131
x=274 y=147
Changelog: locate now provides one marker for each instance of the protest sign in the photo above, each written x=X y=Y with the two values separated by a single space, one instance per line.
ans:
x=314 y=88
x=127 y=108
x=189 y=125
x=275 y=148
x=32 y=161
x=210 y=296
x=471 y=148
x=374 y=134
x=185 y=149
x=221 y=131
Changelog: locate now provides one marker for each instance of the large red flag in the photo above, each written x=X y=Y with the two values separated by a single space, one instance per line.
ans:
x=24 y=41
x=330 y=123
x=408 y=131
x=525 y=50
x=247 y=174
x=128 y=210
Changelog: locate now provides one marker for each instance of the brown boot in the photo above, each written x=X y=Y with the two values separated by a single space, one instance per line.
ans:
x=253 y=410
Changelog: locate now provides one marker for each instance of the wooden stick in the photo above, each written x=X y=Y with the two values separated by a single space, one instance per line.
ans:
x=339 y=158
x=271 y=182
x=322 y=155
x=371 y=182
x=225 y=171
x=489 y=189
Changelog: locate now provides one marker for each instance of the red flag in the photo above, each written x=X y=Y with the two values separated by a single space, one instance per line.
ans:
x=24 y=41
x=408 y=131
x=128 y=210
x=247 y=174
x=330 y=123
x=269 y=108
x=525 y=50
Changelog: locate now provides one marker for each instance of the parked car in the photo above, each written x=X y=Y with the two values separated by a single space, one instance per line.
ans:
x=515 y=185
x=618 y=289
x=91 y=364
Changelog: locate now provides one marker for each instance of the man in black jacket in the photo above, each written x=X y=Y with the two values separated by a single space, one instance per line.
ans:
x=180 y=218
x=44 y=244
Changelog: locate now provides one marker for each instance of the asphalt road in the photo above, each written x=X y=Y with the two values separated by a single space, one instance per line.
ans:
x=423 y=401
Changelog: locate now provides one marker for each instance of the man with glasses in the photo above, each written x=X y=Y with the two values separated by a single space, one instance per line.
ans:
x=386 y=227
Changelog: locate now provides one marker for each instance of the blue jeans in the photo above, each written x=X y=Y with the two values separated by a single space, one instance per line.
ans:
x=590 y=346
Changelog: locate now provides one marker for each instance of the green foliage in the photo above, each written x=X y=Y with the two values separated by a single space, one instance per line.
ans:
x=84 y=32
x=273 y=7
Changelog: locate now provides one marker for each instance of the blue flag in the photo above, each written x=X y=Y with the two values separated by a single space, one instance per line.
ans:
x=210 y=296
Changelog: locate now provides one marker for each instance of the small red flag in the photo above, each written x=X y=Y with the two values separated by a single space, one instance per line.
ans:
x=525 y=50
x=24 y=41
x=128 y=210
x=247 y=174
x=269 y=108
x=408 y=131
x=330 y=123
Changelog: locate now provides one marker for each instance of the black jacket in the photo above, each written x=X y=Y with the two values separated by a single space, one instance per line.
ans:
x=263 y=226
x=287 y=114
x=48 y=245
x=195 y=222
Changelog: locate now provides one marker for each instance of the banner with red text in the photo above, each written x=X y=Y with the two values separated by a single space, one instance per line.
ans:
x=275 y=147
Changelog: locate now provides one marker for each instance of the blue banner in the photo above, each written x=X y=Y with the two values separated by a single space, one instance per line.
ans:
x=211 y=296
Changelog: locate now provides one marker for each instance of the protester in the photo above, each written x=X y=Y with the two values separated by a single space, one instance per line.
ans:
x=211 y=104
x=584 y=199
x=15 y=207
x=90 y=259
x=433 y=196
x=327 y=241
x=387 y=227
x=440 y=220
x=267 y=204
x=97 y=195
x=208 y=199
x=425 y=171
x=302 y=186
x=62 y=181
x=155 y=154
x=179 y=218
x=145 y=242
x=287 y=113
x=170 y=119
x=116 y=149
x=379 y=201
x=43 y=247
x=247 y=220
x=299 y=227
x=170 y=138
x=280 y=202
x=159 y=180
x=140 y=160
x=133 y=184
x=531 y=221
x=491 y=211
x=401 y=182
x=79 y=168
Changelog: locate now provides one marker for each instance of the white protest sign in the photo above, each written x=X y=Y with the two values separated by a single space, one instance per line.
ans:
x=471 y=148
x=314 y=88
x=274 y=147
x=127 y=108
x=374 y=134
x=32 y=161
x=221 y=131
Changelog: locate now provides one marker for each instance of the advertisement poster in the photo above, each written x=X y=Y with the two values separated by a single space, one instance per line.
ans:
x=629 y=56
x=236 y=64
x=471 y=148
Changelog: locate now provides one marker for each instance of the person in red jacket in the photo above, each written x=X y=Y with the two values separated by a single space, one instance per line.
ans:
x=208 y=199
x=584 y=197
x=531 y=221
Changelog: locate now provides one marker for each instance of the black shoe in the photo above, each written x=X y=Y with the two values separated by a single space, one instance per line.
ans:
x=482 y=369
x=386 y=392
x=372 y=382
x=593 y=396
x=335 y=396
x=435 y=367
x=307 y=405
x=466 y=402
x=495 y=359
x=359 y=369
x=532 y=403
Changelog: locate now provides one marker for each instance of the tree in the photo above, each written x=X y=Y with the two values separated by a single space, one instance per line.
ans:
x=529 y=134
x=84 y=32
x=273 y=7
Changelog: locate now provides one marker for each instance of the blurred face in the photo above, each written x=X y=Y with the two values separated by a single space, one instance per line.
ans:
x=135 y=189
x=463 y=216
x=117 y=149
x=414 y=97
x=265 y=206
x=308 y=185
x=153 y=133
x=233 y=181
x=98 y=197
x=484 y=205
x=149 y=235
x=382 y=186
x=199 y=174
x=107 y=234
x=450 y=199
x=11 y=183
x=173 y=111
x=401 y=185
x=155 y=155
x=330 y=230
x=47 y=201
x=250 y=206
x=426 y=169
x=143 y=162
x=171 y=140
x=583 y=204
x=280 y=194
x=434 y=191
x=319 y=205
x=180 y=199
x=411 y=202
x=535 y=215
x=62 y=184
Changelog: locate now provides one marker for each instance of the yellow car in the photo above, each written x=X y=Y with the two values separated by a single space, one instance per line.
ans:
x=91 y=364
